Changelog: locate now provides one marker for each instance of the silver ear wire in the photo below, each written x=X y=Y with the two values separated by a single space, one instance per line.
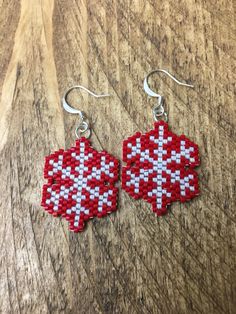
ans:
x=83 y=126
x=158 y=110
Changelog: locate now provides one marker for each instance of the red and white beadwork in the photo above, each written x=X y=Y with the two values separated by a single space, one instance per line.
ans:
x=81 y=184
x=159 y=167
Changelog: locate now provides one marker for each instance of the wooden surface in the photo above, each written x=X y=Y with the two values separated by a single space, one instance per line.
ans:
x=132 y=261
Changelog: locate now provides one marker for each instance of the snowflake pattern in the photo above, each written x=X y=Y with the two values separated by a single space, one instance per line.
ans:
x=159 y=167
x=81 y=184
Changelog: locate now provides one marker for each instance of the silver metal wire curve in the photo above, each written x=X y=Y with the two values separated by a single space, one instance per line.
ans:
x=83 y=126
x=158 y=110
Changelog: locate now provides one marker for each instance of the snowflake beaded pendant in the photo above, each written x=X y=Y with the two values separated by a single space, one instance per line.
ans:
x=159 y=167
x=159 y=164
x=81 y=180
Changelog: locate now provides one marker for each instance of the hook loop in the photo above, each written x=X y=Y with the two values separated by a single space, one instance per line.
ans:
x=158 y=110
x=81 y=129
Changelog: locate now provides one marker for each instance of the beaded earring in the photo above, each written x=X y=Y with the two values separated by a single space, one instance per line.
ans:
x=159 y=164
x=81 y=180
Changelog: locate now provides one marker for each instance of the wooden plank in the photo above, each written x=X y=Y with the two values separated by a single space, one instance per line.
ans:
x=131 y=261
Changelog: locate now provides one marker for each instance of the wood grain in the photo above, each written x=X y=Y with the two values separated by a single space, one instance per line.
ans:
x=132 y=261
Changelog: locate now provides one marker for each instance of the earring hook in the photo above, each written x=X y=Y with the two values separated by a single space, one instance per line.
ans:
x=83 y=125
x=158 y=110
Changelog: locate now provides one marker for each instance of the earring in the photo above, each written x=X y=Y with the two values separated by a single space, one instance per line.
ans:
x=159 y=164
x=81 y=181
